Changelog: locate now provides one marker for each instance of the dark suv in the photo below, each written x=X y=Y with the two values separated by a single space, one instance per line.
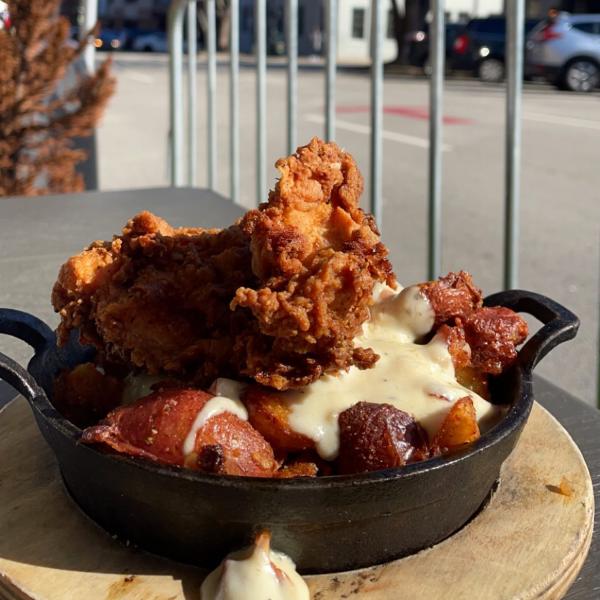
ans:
x=481 y=45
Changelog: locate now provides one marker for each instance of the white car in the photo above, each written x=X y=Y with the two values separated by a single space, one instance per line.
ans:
x=565 y=50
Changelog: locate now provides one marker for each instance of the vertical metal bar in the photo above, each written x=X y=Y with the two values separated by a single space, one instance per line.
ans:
x=437 y=53
x=192 y=92
x=515 y=23
x=211 y=90
x=90 y=17
x=260 y=42
x=234 y=100
x=331 y=14
x=377 y=18
x=175 y=35
x=292 y=73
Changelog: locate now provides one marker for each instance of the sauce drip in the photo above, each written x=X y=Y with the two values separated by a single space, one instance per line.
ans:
x=227 y=399
x=256 y=573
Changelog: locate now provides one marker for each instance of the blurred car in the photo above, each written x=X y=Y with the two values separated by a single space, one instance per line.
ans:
x=418 y=45
x=150 y=41
x=111 y=39
x=480 y=47
x=565 y=50
x=4 y=16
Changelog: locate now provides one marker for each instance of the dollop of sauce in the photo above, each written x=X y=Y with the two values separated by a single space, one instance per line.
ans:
x=256 y=573
x=416 y=378
x=226 y=399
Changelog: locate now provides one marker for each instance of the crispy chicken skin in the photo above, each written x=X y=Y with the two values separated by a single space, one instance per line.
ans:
x=278 y=296
x=317 y=256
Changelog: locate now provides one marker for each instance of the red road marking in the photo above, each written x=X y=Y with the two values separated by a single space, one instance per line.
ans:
x=412 y=112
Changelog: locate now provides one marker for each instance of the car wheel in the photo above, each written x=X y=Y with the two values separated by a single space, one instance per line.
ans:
x=581 y=75
x=491 y=70
x=148 y=48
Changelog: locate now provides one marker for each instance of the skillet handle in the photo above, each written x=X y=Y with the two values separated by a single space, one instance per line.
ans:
x=20 y=379
x=560 y=324
x=37 y=334
x=26 y=327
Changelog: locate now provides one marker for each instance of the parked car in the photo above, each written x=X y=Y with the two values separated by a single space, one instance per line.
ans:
x=150 y=41
x=111 y=39
x=480 y=47
x=4 y=16
x=565 y=50
x=418 y=45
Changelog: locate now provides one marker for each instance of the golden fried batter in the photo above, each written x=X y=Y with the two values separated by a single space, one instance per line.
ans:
x=277 y=297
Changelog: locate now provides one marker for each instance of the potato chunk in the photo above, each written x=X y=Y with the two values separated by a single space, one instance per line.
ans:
x=378 y=436
x=158 y=426
x=493 y=334
x=86 y=395
x=268 y=413
x=458 y=428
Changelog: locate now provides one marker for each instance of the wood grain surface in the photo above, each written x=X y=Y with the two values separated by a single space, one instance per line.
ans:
x=529 y=542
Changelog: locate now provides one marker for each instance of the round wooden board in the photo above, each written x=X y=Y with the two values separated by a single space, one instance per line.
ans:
x=529 y=542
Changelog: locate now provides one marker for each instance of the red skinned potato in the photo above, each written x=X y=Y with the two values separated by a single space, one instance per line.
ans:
x=458 y=428
x=156 y=427
x=493 y=333
x=452 y=296
x=229 y=445
x=268 y=413
x=85 y=395
x=377 y=436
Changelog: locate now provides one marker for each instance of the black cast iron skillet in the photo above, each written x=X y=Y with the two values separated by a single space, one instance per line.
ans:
x=325 y=524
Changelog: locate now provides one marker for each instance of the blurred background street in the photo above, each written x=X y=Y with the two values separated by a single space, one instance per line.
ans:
x=560 y=211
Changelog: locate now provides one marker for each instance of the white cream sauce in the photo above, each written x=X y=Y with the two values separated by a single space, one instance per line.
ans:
x=227 y=399
x=416 y=378
x=256 y=573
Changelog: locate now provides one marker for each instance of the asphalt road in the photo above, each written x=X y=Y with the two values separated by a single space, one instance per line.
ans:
x=560 y=212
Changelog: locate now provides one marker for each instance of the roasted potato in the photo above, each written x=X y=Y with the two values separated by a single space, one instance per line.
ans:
x=474 y=380
x=228 y=445
x=268 y=413
x=85 y=395
x=156 y=427
x=297 y=469
x=458 y=428
x=493 y=333
x=378 y=436
x=452 y=296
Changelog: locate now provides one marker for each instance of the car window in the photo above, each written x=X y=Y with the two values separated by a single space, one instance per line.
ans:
x=586 y=27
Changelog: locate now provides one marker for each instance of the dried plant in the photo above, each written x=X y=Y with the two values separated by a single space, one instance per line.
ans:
x=39 y=114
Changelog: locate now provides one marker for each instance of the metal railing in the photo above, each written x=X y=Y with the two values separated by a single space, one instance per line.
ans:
x=515 y=28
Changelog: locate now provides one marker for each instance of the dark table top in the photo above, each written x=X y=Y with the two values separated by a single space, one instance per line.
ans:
x=38 y=234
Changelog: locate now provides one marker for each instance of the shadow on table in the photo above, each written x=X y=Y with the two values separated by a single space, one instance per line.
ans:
x=42 y=527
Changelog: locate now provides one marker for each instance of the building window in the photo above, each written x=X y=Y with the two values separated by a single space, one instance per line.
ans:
x=391 y=33
x=358 y=23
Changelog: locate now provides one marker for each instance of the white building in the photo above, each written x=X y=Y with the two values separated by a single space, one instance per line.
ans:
x=354 y=25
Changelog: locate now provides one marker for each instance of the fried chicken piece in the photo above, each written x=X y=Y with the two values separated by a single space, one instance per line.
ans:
x=318 y=257
x=157 y=427
x=278 y=297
